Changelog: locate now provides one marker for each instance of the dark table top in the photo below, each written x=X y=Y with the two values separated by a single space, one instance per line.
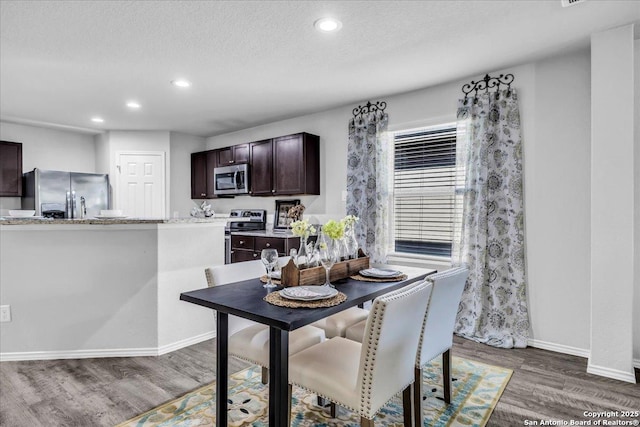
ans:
x=245 y=299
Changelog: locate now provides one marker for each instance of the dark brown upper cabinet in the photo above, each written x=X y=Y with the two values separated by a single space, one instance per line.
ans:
x=233 y=155
x=296 y=164
x=202 y=182
x=10 y=169
x=261 y=167
x=286 y=165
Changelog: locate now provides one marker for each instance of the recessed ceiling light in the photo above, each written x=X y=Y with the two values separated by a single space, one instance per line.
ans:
x=181 y=83
x=327 y=25
x=97 y=119
x=133 y=104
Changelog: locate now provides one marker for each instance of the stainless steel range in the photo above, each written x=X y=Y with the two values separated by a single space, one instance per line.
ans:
x=242 y=220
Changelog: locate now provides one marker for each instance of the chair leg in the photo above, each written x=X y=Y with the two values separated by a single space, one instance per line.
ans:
x=265 y=375
x=417 y=398
x=365 y=422
x=406 y=407
x=290 y=397
x=446 y=375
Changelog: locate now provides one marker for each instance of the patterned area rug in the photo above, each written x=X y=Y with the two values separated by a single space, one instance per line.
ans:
x=476 y=390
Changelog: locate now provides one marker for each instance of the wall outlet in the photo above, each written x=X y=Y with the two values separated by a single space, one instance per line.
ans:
x=344 y=196
x=5 y=313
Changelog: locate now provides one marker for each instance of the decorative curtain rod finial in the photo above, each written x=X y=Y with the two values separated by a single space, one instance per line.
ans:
x=361 y=110
x=487 y=83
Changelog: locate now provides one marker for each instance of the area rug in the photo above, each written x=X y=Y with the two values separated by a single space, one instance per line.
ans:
x=476 y=390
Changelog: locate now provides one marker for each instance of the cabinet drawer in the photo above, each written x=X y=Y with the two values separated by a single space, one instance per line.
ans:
x=240 y=256
x=269 y=243
x=242 y=242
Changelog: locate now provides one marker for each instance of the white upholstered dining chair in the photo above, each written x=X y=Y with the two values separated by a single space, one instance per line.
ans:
x=364 y=377
x=249 y=340
x=437 y=331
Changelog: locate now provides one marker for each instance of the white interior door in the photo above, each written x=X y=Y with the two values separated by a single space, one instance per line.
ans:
x=141 y=184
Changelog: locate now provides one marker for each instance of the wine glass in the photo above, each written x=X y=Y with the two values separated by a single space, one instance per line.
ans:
x=269 y=259
x=328 y=257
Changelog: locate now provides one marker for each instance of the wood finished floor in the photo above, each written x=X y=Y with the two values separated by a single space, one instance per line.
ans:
x=105 y=392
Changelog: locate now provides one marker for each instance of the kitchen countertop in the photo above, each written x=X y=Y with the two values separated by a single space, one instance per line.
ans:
x=265 y=233
x=108 y=221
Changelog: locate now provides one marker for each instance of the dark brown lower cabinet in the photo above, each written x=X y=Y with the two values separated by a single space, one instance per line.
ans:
x=10 y=169
x=248 y=248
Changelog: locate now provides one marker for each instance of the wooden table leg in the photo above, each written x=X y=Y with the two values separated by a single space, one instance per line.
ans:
x=278 y=377
x=222 y=371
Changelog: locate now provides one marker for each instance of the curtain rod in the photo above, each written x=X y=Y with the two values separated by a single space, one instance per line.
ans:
x=487 y=83
x=361 y=110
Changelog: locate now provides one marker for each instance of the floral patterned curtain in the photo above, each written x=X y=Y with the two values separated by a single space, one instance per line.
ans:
x=368 y=182
x=489 y=235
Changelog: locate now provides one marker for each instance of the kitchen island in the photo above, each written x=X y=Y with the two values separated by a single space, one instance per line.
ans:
x=104 y=287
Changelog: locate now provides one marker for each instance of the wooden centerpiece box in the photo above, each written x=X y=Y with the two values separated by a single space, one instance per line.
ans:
x=292 y=276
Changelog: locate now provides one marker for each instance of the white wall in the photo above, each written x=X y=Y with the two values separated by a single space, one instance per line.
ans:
x=636 y=245
x=48 y=149
x=612 y=203
x=181 y=147
x=95 y=288
x=555 y=109
x=557 y=174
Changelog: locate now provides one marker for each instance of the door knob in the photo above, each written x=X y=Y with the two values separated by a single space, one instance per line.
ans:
x=268 y=245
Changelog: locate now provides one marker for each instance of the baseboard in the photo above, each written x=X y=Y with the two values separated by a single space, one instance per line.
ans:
x=90 y=354
x=611 y=373
x=636 y=363
x=559 y=348
x=168 y=348
x=78 y=354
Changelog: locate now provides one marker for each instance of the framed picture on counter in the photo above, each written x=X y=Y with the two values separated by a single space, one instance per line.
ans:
x=281 y=220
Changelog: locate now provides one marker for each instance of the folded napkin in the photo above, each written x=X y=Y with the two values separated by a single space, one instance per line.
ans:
x=300 y=292
x=380 y=272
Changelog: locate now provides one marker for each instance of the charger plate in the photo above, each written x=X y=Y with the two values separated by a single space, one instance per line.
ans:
x=275 y=299
x=379 y=279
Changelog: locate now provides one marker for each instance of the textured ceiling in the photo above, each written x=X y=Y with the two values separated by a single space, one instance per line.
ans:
x=252 y=62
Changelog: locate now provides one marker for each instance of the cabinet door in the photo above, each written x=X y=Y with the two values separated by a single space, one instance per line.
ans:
x=10 y=169
x=296 y=164
x=225 y=156
x=261 y=168
x=241 y=153
x=199 y=175
x=211 y=163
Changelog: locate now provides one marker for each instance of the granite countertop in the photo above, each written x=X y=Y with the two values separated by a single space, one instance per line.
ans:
x=108 y=221
x=265 y=233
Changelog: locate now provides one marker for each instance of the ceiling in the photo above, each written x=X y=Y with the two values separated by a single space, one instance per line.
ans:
x=255 y=62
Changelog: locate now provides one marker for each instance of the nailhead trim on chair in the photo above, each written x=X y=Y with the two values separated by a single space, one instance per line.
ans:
x=370 y=356
x=432 y=279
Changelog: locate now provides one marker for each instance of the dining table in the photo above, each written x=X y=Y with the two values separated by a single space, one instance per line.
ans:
x=246 y=299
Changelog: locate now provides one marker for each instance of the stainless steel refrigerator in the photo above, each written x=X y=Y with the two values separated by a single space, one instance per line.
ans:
x=65 y=194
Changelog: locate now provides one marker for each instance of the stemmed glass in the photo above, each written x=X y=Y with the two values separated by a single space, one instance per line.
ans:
x=328 y=256
x=270 y=260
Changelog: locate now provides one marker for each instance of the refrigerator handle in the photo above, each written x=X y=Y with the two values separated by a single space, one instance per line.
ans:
x=73 y=204
x=68 y=205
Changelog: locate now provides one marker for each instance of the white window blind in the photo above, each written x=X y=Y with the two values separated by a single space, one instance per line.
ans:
x=424 y=190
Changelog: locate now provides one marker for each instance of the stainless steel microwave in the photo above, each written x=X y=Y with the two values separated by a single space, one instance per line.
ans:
x=231 y=179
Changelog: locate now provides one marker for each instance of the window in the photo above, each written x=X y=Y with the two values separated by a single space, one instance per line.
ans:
x=424 y=190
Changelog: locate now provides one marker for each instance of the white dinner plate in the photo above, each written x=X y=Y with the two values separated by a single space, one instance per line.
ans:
x=380 y=273
x=276 y=274
x=25 y=217
x=308 y=293
x=109 y=217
